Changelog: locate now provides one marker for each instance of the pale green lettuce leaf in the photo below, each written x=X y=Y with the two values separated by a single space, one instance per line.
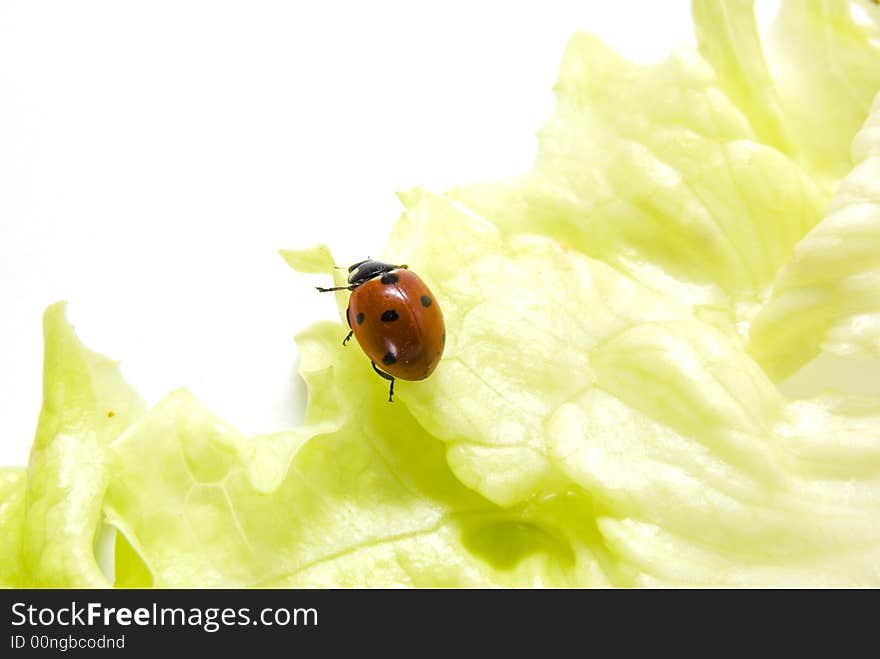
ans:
x=561 y=372
x=605 y=412
x=825 y=71
x=699 y=174
x=596 y=418
x=532 y=326
x=728 y=37
x=827 y=297
x=86 y=403
x=562 y=377
x=363 y=498
x=12 y=487
x=826 y=67
x=129 y=570
x=656 y=171
x=816 y=529
x=316 y=259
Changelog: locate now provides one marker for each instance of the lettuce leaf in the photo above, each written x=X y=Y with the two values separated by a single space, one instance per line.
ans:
x=653 y=170
x=533 y=326
x=12 y=487
x=824 y=74
x=86 y=403
x=363 y=498
x=606 y=412
x=827 y=297
x=729 y=39
x=826 y=69
x=814 y=529
x=697 y=175
x=697 y=470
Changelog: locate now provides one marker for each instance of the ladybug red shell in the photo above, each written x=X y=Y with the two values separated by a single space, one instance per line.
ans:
x=396 y=320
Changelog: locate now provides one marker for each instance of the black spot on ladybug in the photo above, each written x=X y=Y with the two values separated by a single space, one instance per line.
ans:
x=426 y=301
x=359 y=319
x=389 y=278
x=389 y=316
x=389 y=358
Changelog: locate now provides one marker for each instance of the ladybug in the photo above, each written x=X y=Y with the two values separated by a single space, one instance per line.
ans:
x=395 y=319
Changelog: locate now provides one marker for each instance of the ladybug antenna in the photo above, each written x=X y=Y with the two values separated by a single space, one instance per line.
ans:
x=335 y=288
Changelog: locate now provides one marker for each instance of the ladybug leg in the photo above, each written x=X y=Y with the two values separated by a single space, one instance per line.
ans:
x=390 y=378
x=348 y=320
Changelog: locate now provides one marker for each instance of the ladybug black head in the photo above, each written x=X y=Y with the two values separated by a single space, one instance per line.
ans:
x=365 y=270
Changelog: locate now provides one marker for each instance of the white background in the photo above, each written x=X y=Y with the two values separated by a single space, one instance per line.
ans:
x=155 y=155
